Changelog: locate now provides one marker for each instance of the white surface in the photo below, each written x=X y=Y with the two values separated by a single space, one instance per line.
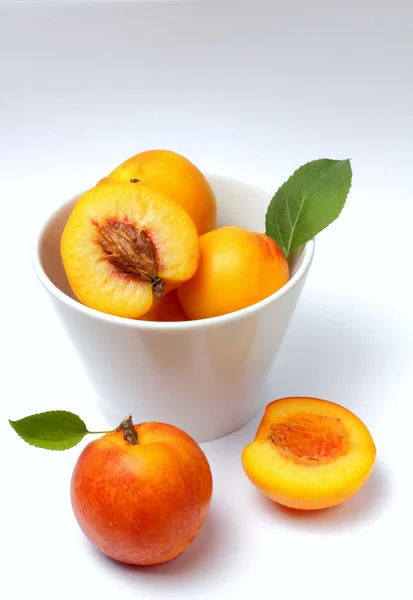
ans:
x=208 y=377
x=248 y=90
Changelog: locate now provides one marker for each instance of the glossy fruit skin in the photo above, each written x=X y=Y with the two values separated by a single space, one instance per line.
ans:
x=142 y=504
x=166 y=310
x=237 y=268
x=174 y=175
x=328 y=477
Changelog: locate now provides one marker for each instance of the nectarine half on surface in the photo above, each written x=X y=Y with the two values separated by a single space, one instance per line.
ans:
x=309 y=453
x=123 y=246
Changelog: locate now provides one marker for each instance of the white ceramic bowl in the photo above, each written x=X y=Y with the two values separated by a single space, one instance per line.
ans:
x=208 y=377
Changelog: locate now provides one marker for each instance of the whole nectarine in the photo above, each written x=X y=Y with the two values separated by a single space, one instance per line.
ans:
x=174 y=175
x=141 y=493
x=167 y=310
x=237 y=268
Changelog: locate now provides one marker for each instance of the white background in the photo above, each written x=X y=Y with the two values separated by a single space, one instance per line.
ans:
x=245 y=89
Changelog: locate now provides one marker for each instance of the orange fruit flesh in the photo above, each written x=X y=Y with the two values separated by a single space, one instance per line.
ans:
x=94 y=279
x=309 y=453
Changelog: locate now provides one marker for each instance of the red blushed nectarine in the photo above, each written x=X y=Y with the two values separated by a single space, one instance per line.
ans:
x=309 y=453
x=141 y=493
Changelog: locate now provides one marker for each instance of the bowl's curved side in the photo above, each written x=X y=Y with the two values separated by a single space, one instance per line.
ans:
x=208 y=377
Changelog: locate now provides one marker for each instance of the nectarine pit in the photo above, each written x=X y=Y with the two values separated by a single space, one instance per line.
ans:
x=130 y=251
x=310 y=438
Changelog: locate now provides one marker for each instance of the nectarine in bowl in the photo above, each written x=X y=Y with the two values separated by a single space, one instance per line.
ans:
x=207 y=375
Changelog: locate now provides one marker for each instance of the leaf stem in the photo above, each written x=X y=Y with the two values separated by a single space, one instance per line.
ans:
x=97 y=432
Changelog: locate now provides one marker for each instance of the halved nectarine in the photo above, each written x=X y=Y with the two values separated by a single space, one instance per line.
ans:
x=309 y=453
x=122 y=244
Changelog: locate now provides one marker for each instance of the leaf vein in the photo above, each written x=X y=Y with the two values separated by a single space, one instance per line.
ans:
x=305 y=196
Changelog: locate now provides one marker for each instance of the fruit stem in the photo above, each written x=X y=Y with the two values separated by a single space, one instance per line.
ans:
x=129 y=432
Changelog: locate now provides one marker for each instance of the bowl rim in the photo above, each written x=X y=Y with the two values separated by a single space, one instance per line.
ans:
x=161 y=326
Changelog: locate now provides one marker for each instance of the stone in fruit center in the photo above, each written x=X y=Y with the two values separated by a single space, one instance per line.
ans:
x=141 y=493
x=309 y=439
x=123 y=246
x=309 y=453
x=175 y=176
x=237 y=268
x=130 y=251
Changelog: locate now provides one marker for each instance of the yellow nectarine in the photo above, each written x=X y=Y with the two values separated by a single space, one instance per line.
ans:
x=167 y=309
x=122 y=244
x=237 y=268
x=177 y=177
x=309 y=453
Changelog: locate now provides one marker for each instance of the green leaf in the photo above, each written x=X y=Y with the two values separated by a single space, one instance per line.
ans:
x=52 y=430
x=311 y=199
